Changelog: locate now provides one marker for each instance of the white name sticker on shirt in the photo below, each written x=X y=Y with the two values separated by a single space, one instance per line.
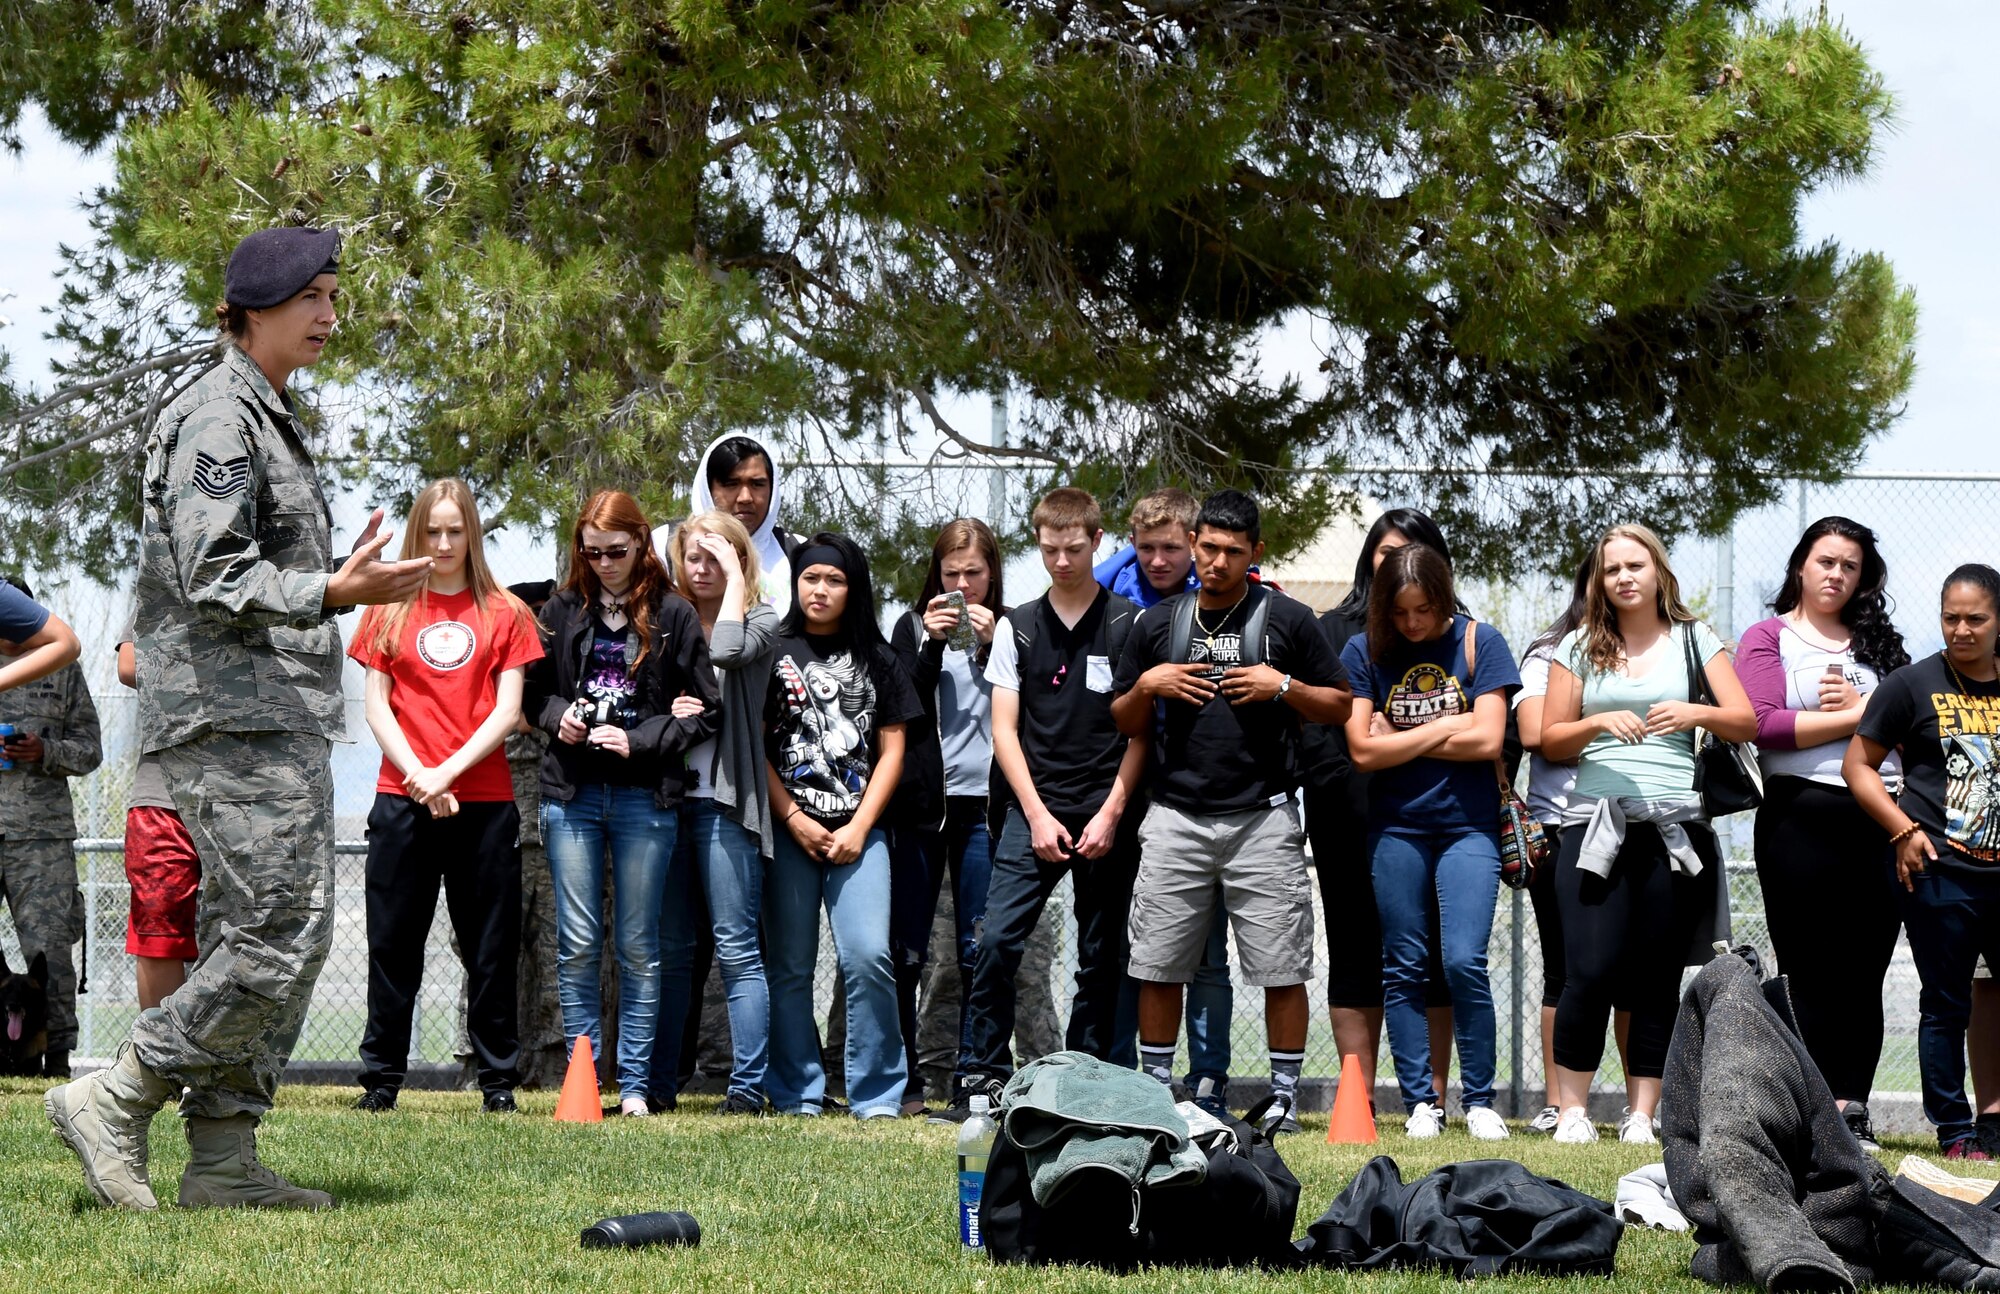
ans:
x=1097 y=675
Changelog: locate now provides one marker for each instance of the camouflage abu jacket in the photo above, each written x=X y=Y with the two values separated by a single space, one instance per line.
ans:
x=236 y=545
x=34 y=798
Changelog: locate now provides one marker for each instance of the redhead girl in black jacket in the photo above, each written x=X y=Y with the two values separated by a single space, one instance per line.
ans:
x=620 y=647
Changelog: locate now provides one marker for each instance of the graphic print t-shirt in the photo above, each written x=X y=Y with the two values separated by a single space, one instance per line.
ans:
x=1419 y=683
x=613 y=686
x=1223 y=758
x=445 y=677
x=1949 y=729
x=825 y=712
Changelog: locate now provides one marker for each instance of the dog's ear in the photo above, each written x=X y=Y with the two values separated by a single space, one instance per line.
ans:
x=38 y=969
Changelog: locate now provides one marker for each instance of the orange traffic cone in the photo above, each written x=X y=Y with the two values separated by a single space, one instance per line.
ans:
x=578 y=1102
x=1353 y=1121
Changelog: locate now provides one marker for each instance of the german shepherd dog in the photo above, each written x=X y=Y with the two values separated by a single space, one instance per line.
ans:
x=24 y=1005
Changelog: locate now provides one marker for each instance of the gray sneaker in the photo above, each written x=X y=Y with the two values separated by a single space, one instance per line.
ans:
x=224 y=1172
x=103 y=1118
x=1547 y=1120
x=1281 y=1118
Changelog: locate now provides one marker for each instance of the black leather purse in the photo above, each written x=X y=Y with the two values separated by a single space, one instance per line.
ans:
x=1726 y=775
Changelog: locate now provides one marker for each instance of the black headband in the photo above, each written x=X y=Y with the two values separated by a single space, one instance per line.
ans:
x=819 y=555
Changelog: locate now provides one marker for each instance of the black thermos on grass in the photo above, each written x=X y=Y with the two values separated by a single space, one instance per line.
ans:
x=636 y=1230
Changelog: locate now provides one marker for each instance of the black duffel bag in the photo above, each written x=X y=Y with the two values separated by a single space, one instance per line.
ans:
x=1242 y=1213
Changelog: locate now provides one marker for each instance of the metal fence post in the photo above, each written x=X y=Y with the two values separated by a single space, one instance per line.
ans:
x=1517 y=956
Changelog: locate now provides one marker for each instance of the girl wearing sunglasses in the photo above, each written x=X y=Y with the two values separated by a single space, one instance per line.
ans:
x=621 y=647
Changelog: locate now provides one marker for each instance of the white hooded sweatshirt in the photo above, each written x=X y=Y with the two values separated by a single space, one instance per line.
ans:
x=774 y=580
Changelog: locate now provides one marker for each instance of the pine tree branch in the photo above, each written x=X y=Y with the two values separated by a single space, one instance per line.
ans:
x=67 y=394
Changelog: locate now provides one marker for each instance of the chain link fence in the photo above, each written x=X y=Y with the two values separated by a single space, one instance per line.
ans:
x=1928 y=524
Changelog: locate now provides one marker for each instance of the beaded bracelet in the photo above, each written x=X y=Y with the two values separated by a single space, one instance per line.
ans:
x=1905 y=834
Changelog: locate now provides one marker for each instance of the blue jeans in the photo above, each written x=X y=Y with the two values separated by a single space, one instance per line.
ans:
x=640 y=836
x=1211 y=1004
x=856 y=896
x=1463 y=872
x=717 y=877
x=1951 y=920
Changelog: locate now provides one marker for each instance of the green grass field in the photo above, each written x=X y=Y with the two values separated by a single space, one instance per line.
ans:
x=437 y=1197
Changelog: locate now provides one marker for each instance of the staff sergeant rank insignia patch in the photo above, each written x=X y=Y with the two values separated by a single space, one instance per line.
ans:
x=219 y=479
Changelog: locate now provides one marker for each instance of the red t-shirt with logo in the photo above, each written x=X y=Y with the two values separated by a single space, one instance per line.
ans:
x=445 y=677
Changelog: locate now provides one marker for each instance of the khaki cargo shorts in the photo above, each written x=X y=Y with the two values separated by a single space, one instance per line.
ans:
x=1253 y=863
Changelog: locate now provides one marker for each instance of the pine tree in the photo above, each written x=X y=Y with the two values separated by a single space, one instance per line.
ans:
x=1557 y=239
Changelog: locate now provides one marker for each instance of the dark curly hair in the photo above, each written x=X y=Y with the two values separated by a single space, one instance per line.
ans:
x=1876 y=642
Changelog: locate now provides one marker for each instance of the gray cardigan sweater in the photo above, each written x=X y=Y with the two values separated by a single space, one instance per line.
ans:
x=742 y=652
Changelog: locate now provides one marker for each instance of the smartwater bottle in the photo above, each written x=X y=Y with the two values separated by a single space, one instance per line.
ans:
x=975 y=1143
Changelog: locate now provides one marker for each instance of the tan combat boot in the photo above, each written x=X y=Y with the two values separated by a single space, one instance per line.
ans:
x=103 y=1117
x=223 y=1171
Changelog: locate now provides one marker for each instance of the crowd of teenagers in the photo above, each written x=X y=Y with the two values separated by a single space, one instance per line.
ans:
x=727 y=746
x=721 y=744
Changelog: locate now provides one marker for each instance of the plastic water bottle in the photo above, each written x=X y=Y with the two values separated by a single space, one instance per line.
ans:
x=975 y=1143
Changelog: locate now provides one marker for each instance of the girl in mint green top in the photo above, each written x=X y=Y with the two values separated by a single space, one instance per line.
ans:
x=1618 y=705
x=1661 y=767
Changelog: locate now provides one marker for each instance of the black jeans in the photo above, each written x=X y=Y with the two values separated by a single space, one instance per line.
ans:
x=1625 y=941
x=474 y=856
x=1830 y=894
x=919 y=861
x=1019 y=890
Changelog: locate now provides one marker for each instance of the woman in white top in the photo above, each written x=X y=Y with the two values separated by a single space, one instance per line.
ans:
x=1635 y=877
x=1825 y=866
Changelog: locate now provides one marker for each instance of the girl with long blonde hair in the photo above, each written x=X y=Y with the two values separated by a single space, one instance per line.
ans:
x=445 y=677
x=726 y=830
x=1638 y=875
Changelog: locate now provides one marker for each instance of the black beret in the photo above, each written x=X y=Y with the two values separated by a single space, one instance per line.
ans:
x=272 y=266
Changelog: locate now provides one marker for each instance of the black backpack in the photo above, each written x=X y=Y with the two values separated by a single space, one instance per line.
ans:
x=1242 y=1213
x=1180 y=634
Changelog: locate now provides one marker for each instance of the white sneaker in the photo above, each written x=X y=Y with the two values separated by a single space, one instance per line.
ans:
x=1547 y=1120
x=1637 y=1129
x=1575 y=1127
x=1485 y=1125
x=1425 y=1122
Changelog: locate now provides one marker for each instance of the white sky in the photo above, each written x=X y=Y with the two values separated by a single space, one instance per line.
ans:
x=1926 y=206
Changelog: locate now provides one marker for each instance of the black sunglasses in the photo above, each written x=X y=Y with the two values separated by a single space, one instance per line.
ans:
x=616 y=554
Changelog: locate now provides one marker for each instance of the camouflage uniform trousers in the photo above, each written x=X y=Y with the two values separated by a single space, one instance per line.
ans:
x=259 y=807
x=38 y=880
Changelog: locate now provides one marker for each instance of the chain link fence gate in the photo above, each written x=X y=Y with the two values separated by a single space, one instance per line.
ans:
x=1928 y=523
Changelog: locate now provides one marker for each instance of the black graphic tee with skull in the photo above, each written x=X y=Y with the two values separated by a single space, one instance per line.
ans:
x=824 y=713
x=1949 y=729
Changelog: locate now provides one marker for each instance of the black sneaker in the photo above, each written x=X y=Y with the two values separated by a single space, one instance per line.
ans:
x=55 y=1064
x=960 y=1108
x=1986 y=1128
x=1213 y=1099
x=667 y=1104
x=377 y=1100
x=738 y=1103
x=1858 y=1123
x=499 y=1102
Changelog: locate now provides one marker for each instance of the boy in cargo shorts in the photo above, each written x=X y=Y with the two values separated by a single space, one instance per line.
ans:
x=1231 y=669
x=161 y=866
